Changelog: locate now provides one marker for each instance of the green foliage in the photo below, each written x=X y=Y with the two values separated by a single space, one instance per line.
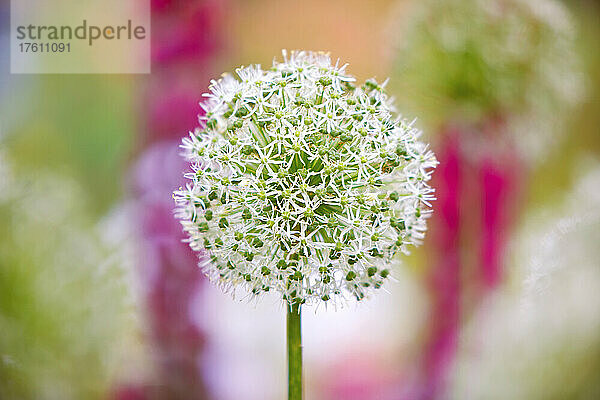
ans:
x=63 y=307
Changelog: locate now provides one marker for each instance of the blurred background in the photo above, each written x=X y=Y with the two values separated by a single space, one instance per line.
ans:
x=99 y=299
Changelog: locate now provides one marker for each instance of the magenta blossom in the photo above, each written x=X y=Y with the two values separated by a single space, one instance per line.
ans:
x=172 y=277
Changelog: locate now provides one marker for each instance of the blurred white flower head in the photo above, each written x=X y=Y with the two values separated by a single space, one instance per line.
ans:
x=68 y=319
x=302 y=182
x=469 y=60
x=538 y=339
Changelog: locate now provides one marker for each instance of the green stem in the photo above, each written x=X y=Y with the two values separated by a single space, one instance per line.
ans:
x=294 y=347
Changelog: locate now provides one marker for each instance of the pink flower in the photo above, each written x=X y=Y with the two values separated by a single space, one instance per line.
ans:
x=445 y=273
x=172 y=277
x=185 y=30
x=477 y=187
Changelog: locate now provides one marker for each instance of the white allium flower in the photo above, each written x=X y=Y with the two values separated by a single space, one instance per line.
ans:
x=538 y=337
x=303 y=183
x=471 y=60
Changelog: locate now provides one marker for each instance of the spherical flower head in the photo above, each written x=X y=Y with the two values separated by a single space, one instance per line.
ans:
x=302 y=182
x=468 y=60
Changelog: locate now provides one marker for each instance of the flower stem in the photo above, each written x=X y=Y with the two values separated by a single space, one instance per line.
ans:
x=294 y=347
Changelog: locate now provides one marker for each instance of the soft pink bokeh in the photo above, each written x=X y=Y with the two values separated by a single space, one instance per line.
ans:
x=186 y=36
x=477 y=188
x=170 y=275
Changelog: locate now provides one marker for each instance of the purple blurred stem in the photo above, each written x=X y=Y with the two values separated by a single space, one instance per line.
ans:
x=495 y=189
x=497 y=184
x=445 y=278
